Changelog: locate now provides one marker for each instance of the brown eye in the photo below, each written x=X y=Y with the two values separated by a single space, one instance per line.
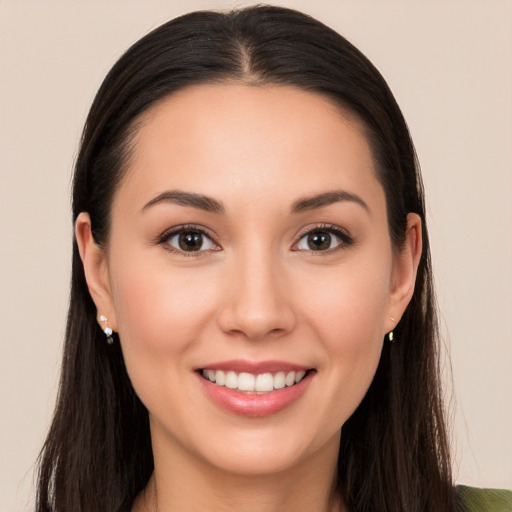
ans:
x=191 y=241
x=323 y=239
x=319 y=241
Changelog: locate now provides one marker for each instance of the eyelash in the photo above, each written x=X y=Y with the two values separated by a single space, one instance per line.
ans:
x=343 y=235
x=346 y=239
x=165 y=238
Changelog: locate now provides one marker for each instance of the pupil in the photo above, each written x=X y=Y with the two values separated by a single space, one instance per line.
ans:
x=190 y=241
x=319 y=241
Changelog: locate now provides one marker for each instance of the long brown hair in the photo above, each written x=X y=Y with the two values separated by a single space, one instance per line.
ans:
x=394 y=452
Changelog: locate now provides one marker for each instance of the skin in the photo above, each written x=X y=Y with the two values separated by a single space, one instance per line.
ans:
x=256 y=292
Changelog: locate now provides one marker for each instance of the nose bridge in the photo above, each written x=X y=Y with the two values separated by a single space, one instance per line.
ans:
x=256 y=301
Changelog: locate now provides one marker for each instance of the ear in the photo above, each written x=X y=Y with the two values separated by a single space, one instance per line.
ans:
x=405 y=268
x=94 y=260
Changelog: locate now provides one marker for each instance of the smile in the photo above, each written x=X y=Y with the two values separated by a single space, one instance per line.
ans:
x=255 y=389
x=251 y=383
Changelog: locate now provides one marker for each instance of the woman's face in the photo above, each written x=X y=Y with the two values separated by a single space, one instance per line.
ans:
x=249 y=244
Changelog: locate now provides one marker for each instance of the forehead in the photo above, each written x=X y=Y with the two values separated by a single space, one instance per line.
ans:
x=231 y=140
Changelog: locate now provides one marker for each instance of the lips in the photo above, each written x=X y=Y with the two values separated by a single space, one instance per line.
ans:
x=255 y=389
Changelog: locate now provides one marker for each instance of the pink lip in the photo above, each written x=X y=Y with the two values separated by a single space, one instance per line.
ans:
x=254 y=404
x=255 y=367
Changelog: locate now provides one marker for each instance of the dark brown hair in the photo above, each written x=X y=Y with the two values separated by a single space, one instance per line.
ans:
x=394 y=452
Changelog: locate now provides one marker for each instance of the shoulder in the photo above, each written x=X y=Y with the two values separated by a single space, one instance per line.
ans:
x=471 y=499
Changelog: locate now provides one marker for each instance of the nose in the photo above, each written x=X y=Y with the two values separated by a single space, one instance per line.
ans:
x=257 y=303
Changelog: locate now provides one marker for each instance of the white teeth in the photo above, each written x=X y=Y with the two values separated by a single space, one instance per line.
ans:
x=299 y=376
x=246 y=382
x=290 y=379
x=262 y=383
x=231 y=381
x=220 y=377
x=279 y=380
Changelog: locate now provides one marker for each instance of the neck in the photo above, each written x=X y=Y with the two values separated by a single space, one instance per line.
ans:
x=184 y=484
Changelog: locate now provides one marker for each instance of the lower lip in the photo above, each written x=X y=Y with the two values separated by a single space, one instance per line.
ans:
x=253 y=404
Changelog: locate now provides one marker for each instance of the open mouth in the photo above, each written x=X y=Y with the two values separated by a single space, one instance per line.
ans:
x=250 y=383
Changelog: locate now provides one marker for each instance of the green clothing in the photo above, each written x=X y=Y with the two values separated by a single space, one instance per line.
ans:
x=472 y=499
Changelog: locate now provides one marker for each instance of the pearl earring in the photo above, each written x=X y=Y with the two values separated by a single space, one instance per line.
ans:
x=107 y=330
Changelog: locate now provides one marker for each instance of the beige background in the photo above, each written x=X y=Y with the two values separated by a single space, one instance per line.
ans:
x=450 y=66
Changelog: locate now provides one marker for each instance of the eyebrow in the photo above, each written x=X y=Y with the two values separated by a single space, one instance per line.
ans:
x=199 y=201
x=211 y=205
x=325 y=199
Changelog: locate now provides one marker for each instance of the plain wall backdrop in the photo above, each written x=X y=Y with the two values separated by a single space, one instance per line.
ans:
x=450 y=67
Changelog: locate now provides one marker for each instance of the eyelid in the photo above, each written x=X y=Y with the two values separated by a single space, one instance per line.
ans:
x=338 y=231
x=346 y=238
x=163 y=238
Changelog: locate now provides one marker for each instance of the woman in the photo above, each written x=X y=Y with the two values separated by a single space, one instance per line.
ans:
x=252 y=323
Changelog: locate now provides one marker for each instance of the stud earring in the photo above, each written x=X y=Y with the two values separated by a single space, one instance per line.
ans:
x=390 y=333
x=107 y=330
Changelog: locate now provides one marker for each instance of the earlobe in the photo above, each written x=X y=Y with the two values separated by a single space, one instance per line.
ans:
x=405 y=270
x=94 y=260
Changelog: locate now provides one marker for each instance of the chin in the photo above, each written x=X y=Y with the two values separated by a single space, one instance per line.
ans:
x=254 y=462
x=265 y=451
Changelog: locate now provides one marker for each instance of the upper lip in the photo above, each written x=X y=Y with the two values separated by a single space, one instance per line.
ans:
x=254 y=367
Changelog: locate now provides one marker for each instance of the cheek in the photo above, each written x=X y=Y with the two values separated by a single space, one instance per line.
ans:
x=160 y=313
x=350 y=306
x=348 y=318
